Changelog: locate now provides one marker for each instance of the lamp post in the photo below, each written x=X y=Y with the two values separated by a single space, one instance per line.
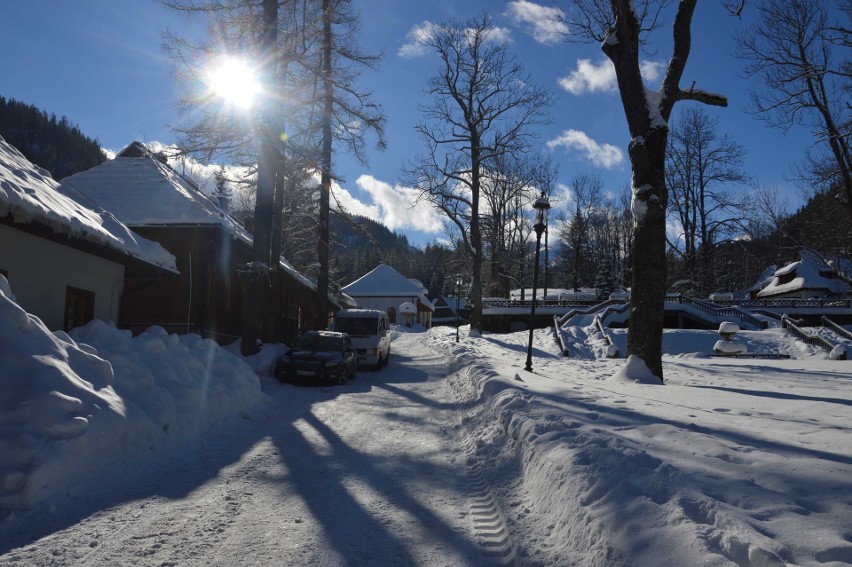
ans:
x=541 y=206
x=458 y=293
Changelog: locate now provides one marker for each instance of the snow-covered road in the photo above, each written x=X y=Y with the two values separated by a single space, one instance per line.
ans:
x=370 y=473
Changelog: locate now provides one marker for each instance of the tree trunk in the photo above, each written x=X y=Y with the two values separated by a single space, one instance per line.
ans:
x=325 y=183
x=475 y=240
x=273 y=317
x=648 y=294
x=257 y=283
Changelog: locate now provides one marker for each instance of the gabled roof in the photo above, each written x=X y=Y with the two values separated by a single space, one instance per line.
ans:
x=811 y=272
x=29 y=195
x=384 y=281
x=143 y=191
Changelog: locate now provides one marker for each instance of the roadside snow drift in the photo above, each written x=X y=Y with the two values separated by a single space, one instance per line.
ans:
x=70 y=405
x=732 y=462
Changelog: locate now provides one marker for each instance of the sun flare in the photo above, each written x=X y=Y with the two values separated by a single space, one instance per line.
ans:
x=234 y=81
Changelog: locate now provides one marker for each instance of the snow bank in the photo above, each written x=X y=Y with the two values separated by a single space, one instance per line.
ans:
x=718 y=467
x=635 y=370
x=70 y=405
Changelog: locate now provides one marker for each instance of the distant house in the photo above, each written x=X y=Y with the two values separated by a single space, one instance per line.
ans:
x=210 y=247
x=67 y=262
x=810 y=277
x=386 y=289
x=445 y=310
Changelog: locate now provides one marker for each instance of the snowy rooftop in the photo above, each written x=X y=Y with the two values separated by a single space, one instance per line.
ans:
x=384 y=281
x=29 y=194
x=810 y=272
x=142 y=191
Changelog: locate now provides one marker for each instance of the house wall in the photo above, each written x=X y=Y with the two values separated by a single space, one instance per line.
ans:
x=208 y=296
x=40 y=271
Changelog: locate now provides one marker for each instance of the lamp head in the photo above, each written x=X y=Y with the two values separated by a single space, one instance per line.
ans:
x=541 y=206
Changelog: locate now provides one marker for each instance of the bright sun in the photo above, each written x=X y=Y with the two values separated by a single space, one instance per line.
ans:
x=234 y=81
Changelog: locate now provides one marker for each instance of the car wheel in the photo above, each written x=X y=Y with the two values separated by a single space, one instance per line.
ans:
x=344 y=376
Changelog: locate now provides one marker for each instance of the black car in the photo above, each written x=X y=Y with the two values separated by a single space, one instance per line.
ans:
x=319 y=357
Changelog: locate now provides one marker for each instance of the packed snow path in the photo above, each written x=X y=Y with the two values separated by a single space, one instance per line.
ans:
x=368 y=473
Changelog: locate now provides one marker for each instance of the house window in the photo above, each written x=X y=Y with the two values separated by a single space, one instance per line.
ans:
x=79 y=307
x=786 y=278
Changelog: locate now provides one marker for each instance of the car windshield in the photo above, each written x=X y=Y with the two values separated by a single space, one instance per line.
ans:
x=320 y=343
x=356 y=326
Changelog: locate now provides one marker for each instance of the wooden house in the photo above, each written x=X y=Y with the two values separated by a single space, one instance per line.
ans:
x=210 y=246
x=67 y=261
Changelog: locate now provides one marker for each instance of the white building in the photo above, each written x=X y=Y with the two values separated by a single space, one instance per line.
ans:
x=386 y=289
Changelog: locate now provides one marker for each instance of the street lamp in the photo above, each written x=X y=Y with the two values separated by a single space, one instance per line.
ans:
x=458 y=293
x=541 y=206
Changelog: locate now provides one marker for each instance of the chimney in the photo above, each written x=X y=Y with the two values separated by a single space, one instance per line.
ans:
x=224 y=202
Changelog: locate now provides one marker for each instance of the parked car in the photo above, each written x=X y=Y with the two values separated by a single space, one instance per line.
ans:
x=370 y=333
x=319 y=357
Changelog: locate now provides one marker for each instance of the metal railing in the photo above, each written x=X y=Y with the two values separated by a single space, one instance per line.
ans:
x=813 y=340
x=715 y=311
x=492 y=303
x=557 y=333
x=591 y=309
x=834 y=327
x=610 y=352
x=790 y=303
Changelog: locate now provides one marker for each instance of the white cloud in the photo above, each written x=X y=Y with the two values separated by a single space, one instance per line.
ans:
x=352 y=205
x=600 y=77
x=417 y=37
x=588 y=77
x=541 y=22
x=604 y=155
x=651 y=70
x=499 y=35
x=396 y=208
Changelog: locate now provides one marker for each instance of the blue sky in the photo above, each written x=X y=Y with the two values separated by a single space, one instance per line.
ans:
x=101 y=64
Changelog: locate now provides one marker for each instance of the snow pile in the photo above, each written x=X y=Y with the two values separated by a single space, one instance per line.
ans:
x=635 y=370
x=732 y=462
x=70 y=405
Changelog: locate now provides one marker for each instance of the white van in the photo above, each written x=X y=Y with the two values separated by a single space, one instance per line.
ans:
x=369 y=330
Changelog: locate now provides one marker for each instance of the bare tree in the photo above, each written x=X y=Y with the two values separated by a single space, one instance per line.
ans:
x=621 y=28
x=587 y=192
x=797 y=49
x=346 y=115
x=701 y=166
x=310 y=70
x=483 y=106
x=510 y=184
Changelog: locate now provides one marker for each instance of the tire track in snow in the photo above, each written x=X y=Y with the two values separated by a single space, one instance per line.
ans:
x=489 y=523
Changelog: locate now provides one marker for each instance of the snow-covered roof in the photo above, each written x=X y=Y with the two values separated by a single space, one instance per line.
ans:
x=144 y=192
x=384 y=281
x=28 y=194
x=811 y=272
